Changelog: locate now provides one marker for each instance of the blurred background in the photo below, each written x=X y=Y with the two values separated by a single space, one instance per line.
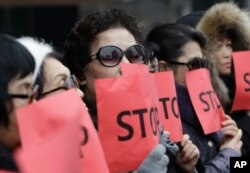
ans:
x=53 y=19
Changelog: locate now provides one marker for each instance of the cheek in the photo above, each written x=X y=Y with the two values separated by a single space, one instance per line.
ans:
x=98 y=71
x=17 y=103
x=13 y=131
x=218 y=56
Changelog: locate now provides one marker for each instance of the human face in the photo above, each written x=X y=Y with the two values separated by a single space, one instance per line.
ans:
x=223 y=55
x=190 y=50
x=10 y=135
x=55 y=75
x=119 y=37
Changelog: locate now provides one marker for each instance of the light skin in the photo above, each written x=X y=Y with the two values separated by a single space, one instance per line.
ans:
x=119 y=37
x=122 y=38
x=188 y=157
x=223 y=55
x=10 y=135
x=191 y=49
x=55 y=74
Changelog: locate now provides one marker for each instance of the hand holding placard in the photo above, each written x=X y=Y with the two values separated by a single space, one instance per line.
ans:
x=204 y=100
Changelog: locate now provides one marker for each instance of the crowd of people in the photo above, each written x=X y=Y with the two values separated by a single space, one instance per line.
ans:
x=99 y=44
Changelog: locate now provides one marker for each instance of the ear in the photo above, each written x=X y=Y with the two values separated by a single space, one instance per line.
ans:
x=162 y=65
x=82 y=81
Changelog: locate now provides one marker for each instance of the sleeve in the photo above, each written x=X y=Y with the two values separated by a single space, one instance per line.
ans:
x=221 y=162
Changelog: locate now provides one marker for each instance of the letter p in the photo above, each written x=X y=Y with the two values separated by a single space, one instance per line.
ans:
x=243 y=163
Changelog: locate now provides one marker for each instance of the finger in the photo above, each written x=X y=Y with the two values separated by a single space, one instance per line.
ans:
x=231 y=133
x=229 y=122
x=228 y=117
x=186 y=147
x=238 y=146
x=236 y=138
x=185 y=139
x=188 y=155
x=164 y=161
x=164 y=137
x=230 y=127
x=195 y=154
x=157 y=152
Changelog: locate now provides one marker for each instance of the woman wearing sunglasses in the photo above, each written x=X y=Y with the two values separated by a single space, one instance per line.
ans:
x=180 y=50
x=95 y=48
x=226 y=28
x=16 y=67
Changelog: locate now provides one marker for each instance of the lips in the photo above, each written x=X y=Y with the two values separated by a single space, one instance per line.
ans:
x=227 y=65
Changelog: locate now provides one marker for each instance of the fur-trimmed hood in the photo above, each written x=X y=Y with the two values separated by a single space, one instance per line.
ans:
x=226 y=17
x=221 y=18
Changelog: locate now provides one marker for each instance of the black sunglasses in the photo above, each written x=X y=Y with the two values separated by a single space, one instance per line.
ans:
x=30 y=97
x=70 y=82
x=194 y=63
x=111 y=56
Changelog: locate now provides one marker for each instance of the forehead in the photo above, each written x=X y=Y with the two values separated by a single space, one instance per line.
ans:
x=192 y=49
x=53 y=68
x=118 y=36
x=224 y=39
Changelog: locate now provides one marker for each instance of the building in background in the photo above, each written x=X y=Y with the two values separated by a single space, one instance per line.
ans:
x=53 y=19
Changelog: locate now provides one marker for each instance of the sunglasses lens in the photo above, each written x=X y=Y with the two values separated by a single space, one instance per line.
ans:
x=197 y=63
x=136 y=54
x=71 y=82
x=110 y=56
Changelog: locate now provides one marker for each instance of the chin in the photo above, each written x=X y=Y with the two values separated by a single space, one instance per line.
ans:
x=226 y=72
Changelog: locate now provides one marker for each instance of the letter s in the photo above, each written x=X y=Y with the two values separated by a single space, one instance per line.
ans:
x=247 y=80
x=204 y=101
x=125 y=126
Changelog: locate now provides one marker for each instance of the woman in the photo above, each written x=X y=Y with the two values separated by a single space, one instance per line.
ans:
x=180 y=50
x=226 y=28
x=54 y=77
x=16 y=67
x=95 y=48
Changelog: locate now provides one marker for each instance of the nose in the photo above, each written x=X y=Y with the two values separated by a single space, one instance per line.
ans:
x=125 y=59
x=227 y=52
x=79 y=92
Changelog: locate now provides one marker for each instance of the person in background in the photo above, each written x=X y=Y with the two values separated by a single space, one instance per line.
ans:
x=180 y=50
x=16 y=67
x=53 y=77
x=226 y=28
x=152 y=60
x=94 y=49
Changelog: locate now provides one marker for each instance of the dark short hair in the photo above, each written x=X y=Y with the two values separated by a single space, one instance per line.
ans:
x=191 y=19
x=171 y=38
x=40 y=79
x=80 y=38
x=15 y=62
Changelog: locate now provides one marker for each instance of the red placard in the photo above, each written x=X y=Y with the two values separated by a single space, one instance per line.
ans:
x=242 y=75
x=171 y=120
x=128 y=119
x=50 y=134
x=205 y=101
x=92 y=156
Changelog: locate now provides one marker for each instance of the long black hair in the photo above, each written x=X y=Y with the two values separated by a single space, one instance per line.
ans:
x=15 y=62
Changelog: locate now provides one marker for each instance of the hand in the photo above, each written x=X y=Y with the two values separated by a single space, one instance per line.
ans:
x=156 y=161
x=234 y=143
x=170 y=146
x=188 y=157
x=229 y=128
